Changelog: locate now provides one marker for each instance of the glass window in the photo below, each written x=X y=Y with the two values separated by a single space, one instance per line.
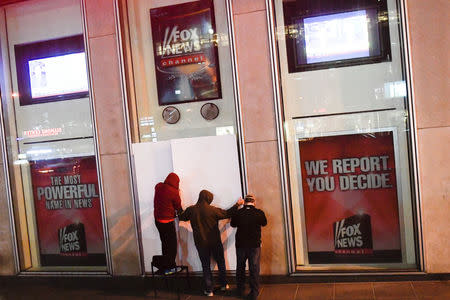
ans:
x=182 y=108
x=182 y=70
x=348 y=137
x=49 y=137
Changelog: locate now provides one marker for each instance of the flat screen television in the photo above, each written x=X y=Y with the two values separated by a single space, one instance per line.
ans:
x=342 y=36
x=52 y=70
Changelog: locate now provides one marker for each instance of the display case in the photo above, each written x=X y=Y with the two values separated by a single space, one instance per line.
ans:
x=49 y=143
x=347 y=133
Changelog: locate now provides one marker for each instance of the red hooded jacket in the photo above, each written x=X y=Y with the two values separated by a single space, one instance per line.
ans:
x=167 y=198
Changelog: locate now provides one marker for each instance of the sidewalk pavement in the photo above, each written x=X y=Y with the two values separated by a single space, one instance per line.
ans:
x=76 y=288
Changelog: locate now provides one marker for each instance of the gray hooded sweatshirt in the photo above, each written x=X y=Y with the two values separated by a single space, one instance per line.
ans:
x=205 y=219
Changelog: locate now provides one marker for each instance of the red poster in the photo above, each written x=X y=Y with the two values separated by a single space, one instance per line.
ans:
x=350 y=198
x=68 y=212
x=185 y=45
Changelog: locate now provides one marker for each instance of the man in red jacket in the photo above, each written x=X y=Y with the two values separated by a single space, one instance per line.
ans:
x=166 y=204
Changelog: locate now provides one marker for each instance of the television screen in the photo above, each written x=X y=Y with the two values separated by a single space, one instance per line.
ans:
x=329 y=34
x=51 y=70
x=58 y=75
x=336 y=37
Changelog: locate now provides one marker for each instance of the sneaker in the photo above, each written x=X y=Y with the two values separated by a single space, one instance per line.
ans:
x=225 y=287
x=208 y=293
x=173 y=271
x=170 y=271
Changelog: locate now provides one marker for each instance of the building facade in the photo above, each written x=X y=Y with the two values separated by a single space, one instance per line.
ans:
x=335 y=116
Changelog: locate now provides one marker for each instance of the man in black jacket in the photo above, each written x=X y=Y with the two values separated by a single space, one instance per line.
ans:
x=204 y=221
x=248 y=221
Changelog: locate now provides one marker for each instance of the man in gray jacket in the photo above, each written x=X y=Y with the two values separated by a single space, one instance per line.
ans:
x=205 y=226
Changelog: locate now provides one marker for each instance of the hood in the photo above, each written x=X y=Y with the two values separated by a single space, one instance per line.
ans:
x=173 y=180
x=205 y=196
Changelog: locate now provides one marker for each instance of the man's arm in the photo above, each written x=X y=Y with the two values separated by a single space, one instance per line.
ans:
x=262 y=219
x=176 y=201
x=185 y=215
x=225 y=214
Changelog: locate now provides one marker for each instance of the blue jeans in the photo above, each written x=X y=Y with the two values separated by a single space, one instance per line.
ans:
x=253 y=256
x=205 y=254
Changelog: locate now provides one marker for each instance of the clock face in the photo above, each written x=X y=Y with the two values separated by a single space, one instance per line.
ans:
x=171 y=114
x=209 y=111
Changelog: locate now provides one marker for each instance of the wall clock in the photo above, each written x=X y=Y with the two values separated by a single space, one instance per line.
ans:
x=171 y=114
x=209 y=111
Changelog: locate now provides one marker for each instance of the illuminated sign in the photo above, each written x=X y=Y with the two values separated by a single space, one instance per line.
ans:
x=42 y=132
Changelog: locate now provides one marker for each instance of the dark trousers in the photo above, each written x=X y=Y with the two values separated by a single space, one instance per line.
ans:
x=205 y=254
x=253 y=256
x=168 y=236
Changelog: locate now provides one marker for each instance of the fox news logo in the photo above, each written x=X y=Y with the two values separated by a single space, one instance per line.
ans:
x=72 y=240
x=353 y=235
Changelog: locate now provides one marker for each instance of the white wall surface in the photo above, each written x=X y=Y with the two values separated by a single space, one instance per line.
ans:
x=201 y=163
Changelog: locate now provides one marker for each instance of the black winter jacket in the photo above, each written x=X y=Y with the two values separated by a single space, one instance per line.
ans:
x=248 y=221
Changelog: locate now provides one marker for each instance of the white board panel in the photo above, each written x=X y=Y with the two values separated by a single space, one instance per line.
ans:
x=153 y=162
x=201 y=163
x=209 y=163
